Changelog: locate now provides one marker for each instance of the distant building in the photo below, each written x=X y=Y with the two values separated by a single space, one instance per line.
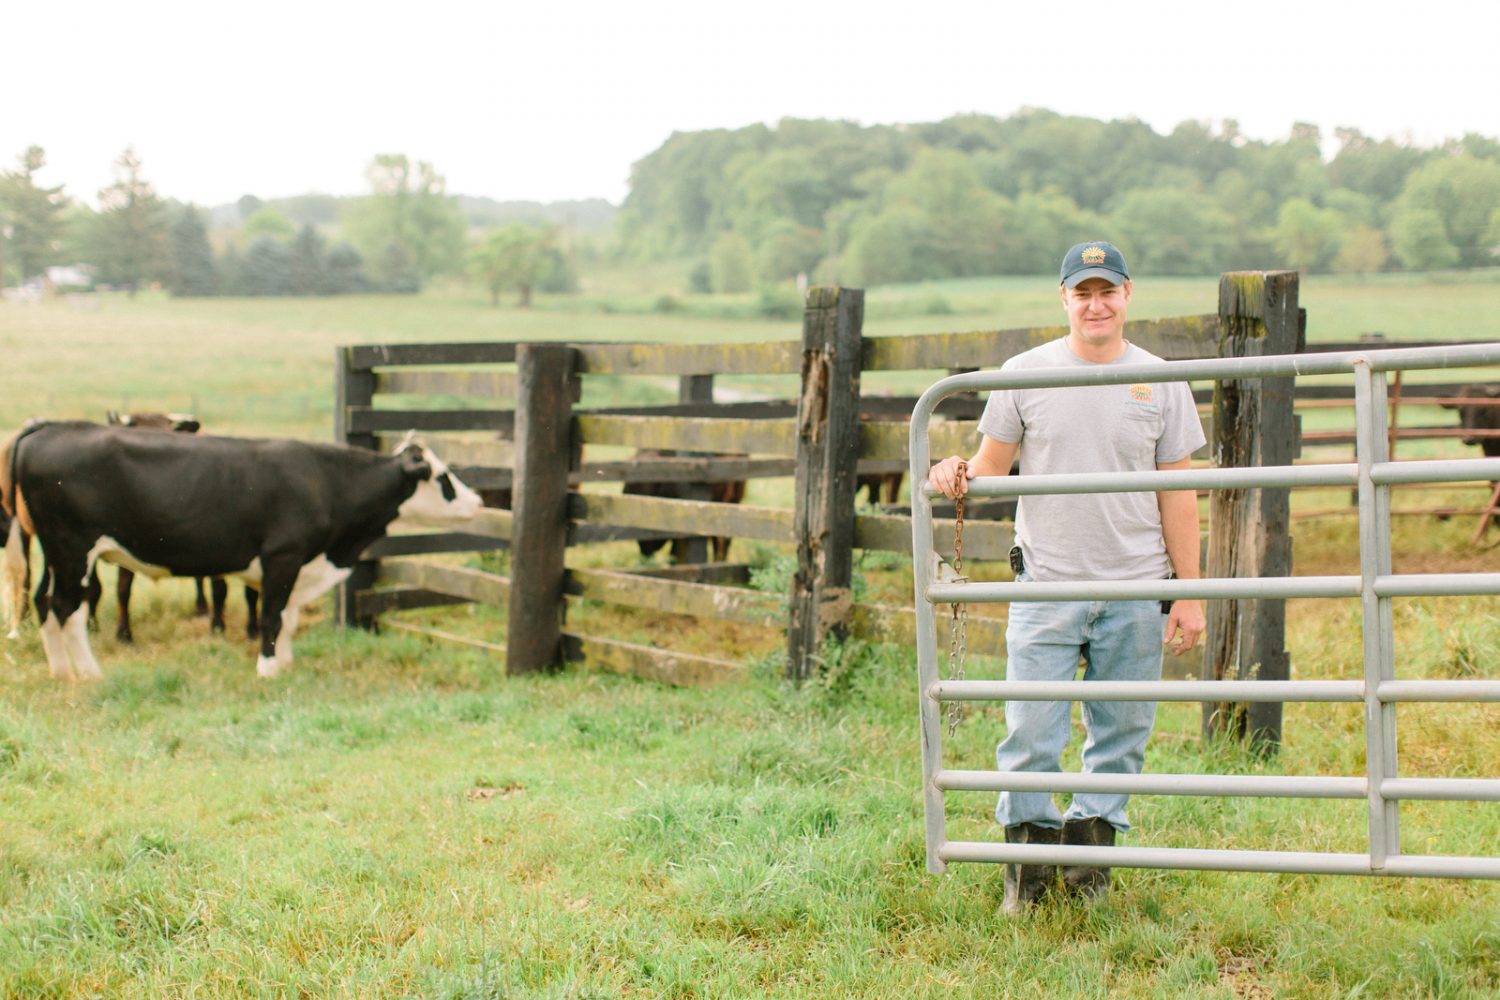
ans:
x=70 y=276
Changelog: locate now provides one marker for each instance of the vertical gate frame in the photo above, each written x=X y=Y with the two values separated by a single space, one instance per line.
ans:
x=1372 y=474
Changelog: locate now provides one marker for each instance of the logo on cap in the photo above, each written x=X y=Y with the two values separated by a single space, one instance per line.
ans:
x=1093 y=255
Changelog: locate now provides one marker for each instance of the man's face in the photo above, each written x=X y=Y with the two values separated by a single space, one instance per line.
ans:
x=1096 y=310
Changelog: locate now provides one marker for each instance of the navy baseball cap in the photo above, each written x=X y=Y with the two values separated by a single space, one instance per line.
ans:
x=1094 y=260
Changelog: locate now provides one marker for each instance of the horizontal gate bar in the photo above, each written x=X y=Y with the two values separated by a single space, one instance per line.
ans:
x=1233 y=785
x=1442 y=789
x=1437 y=584
x=1333 y=474
x=1429 y=690
x=1212 y=588
x=1304 y=862
x=1436 y=471
x=1216 y=588
x=1351 y=691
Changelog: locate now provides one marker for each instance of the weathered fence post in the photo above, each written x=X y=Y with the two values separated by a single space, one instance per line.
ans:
x=545 y=391
x=695 y=389
x=1249 y=529
x=352 y=388
x=827 y=462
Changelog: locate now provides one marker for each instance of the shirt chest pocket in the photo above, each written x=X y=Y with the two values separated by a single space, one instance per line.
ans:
x=1134 y=437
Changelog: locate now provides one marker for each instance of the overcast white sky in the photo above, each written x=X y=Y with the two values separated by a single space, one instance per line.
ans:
x=549 y=101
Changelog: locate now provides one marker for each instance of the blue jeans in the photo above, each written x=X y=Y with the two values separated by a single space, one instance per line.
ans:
x=1119 y=641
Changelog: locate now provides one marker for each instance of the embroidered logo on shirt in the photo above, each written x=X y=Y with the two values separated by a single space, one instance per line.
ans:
x=1093 y=255
x=1140 y=393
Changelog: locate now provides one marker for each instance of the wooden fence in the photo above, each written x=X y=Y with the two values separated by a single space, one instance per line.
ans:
x=507 y=417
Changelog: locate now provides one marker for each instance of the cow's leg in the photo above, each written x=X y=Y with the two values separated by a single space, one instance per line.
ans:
x=58 y=664
x=122 y=595
x=65 y=636
x=52 y=641
x=278 y=576
x=75 y=632
x=220 y=588
x=252 y=615
x=252 y=619
x=43 y=597
x=289 y=619
x=200 y=603
x=93 y=592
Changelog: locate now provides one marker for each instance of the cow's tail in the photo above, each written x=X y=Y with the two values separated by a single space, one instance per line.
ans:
x=10 y=456
x=13 y=574
x=14 y=563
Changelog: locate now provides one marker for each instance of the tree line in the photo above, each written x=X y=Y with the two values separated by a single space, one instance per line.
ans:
x=405 y=233
x=979 y=195
x=832 y=200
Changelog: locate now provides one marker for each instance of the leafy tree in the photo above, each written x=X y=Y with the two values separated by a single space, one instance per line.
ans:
x=1375 y=169
x=701 y=278
x=1039 y=227
x=1361 y=251
x=231 y=268
x=900 y=244
x=267 y=222
x=192 y=271
x=396 y=270
x=411 y=211
x=1172 y=231
x=1306 y=235
x=787 y=250
x=1463 y=192
x=769 y=191
x=267 y=268
x=33 y=214
x=343 y=270
x=132 y=232
x=939 y=204
x=730 y=260
x=247 y=206
x=307 y=261
x=1421 y=241
x=514 y=257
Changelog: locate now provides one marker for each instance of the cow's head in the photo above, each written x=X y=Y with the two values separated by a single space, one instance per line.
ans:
x=1477 y=416
x=440 y=498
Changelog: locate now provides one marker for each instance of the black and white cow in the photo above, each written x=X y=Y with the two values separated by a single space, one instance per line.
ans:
x=179 y=423
x=288 y=517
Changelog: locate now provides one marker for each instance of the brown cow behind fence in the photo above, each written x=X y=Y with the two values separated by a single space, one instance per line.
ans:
x=727 y=491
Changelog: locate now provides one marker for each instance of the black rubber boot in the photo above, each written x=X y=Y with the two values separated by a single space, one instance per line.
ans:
x=1026 y=885
x=1087 y=882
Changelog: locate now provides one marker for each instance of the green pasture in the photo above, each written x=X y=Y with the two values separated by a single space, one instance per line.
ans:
x=394 y=817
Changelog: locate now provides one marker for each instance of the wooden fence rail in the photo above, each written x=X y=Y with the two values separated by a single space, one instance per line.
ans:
x=522 y=430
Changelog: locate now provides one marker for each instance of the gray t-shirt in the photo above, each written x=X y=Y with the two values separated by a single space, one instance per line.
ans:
x=1102 y=428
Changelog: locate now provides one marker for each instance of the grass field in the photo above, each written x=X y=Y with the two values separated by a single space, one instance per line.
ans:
x=395 y=818
x=266 y=365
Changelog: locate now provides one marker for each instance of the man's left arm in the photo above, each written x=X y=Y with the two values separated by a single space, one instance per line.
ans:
x=1179 y=528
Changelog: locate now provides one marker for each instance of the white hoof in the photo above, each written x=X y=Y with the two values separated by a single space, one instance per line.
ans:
x=266 y=667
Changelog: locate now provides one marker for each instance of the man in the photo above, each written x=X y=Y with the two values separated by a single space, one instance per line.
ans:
x=1102 y=536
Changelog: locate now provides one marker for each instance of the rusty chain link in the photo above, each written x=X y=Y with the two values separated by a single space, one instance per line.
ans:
x=958 y=631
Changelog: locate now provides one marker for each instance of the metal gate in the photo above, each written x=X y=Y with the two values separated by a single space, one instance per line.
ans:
x=1380 y=691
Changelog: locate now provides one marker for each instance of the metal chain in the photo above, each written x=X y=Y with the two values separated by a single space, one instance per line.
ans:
x=958 y=631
